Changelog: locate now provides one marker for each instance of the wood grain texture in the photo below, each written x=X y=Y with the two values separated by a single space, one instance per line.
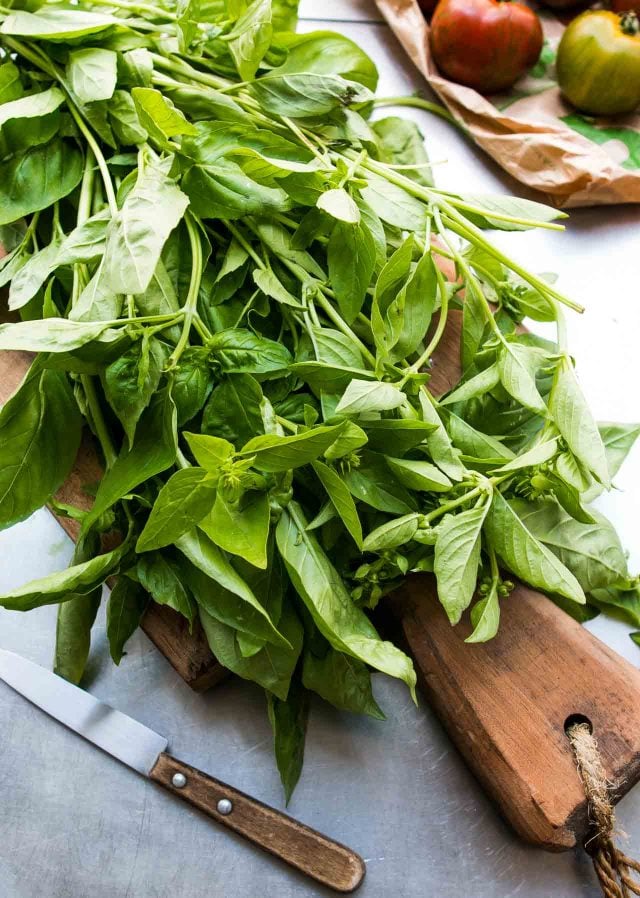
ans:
x=505 y=703
x=328 y=862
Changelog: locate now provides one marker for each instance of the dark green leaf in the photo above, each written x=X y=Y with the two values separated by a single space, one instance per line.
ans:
x=289 y=723
x=126 y=606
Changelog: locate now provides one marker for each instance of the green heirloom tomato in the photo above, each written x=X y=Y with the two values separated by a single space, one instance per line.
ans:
x=598 y=62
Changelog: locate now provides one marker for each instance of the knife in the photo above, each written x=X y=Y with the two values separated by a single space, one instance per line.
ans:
x=315 y=855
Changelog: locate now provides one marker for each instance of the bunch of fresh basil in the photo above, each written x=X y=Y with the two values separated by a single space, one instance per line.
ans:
x=235 y=280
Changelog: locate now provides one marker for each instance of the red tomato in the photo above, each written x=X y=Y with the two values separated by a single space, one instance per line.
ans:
x=485 y=44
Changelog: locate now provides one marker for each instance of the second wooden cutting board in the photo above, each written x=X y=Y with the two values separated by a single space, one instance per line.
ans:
x=505 y=703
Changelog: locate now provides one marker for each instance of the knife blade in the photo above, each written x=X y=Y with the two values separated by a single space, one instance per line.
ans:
x=134 y=744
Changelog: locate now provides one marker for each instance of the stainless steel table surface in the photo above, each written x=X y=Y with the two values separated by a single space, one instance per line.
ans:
x=76 y=824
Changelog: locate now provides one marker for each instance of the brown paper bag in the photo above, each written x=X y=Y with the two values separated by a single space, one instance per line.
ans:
x=531 y=131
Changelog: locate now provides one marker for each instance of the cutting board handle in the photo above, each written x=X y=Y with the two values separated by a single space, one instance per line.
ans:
x=506 y=704
x=328 y=862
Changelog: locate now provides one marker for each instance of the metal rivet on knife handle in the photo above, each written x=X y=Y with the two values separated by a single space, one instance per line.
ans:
x=225 y=806
x=179 y=780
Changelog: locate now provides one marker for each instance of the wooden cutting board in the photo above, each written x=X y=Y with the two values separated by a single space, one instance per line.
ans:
x=504 y=703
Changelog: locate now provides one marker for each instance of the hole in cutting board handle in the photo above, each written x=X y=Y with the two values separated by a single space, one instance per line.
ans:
x=573 y=719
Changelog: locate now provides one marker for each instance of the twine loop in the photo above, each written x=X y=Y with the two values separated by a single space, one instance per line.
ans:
x=615 y=871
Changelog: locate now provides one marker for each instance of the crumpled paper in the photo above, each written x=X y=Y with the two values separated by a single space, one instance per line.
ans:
x=531 y=131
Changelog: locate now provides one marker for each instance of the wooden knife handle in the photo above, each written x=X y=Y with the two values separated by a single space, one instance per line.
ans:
x=505 y=704
x=324 y=860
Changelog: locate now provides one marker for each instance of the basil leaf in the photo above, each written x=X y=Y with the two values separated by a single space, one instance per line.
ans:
x=362 y=396
x=306 y=94
x=342 y=681
x=206 y=556
x=351 y=259
x=289 y=723
x=575 y=422
x=131 y=381
x=418 y=475
x=525 y=555
x=62 y=586
x=158 y=116
x=210 y=452
x=54 y=334
x=182 y=502
x=239 y=351
x=76 y=617
x=373 y=484
x=485 y=617
x=56 y=24
x=339 y=204
x=240 y=527
x=40 y=429
x=478 y=385
x=125 y=609
x=618 y=440
x=341 y=499
x=401 y=143
x=191 y=385
x=153 y=451
x=591 y=551
x=92 y=73
x=517 y=367
x=139 y=230
x=457 y=556
x=393 y=533
x=162 y=579
x=233 y=411
x=322 y=590
x=250 y=38
x=275 y=453
x=37 y=178
x=272 y=667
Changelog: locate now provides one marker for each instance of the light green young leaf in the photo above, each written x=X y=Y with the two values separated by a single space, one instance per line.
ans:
x=591 y=551
x=92 y=73
x=251 y=38
x=55 y=24
x=513 y=207
x=478 y=385
x=79 y=579
x=182 y=502
x=272 y=287
x=275 y=453
x=457 y=556
x=32 y=106
x=240 y=527
x=97 y=302
x=341 y=499
x=139 y=230
x=575 y=422
x=210 y=452
x=363 y=396
x=525 y=555
x=322 y=590
x=418 y=475
x=33 y=275
x=402 y=143
x=158 y=116
x=537 y=455
x=53 y=334
x=485 y=617
x=618 y=440
x=443 y=453
x=517 y=367
x=391 y=534
x=339 y=205
x=86 y=242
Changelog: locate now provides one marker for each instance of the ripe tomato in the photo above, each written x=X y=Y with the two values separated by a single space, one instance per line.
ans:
x=598 y=63
x=485 y=44
x=625 y=5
